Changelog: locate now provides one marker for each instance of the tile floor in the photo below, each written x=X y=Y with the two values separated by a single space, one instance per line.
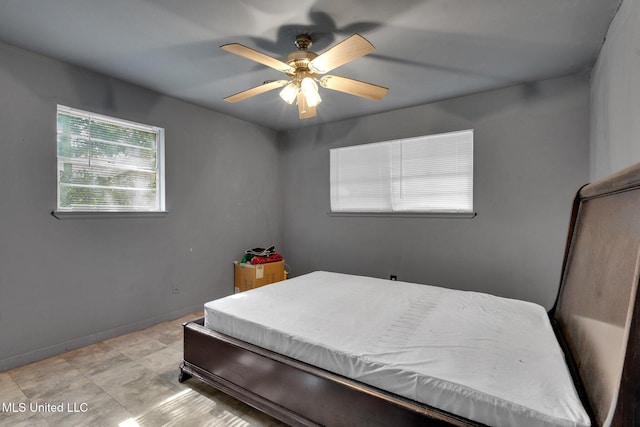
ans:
x=127 y=381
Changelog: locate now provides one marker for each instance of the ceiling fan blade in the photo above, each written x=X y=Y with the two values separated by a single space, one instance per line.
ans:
x=304 y=110
x=266 y=87
x=347 y=50
x=354 y=87
x=254 y=55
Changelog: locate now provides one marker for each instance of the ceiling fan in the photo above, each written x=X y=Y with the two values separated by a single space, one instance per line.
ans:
x=306 y=69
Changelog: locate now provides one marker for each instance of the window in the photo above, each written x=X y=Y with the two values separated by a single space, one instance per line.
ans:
x=107 y=164
x=428 y=174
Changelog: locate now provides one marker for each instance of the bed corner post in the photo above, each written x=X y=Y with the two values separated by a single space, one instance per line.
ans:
x=183 y=376
x=572 y=224
x=627 y=408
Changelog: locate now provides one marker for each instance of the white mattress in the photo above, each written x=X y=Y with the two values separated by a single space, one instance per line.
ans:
x=489 y=359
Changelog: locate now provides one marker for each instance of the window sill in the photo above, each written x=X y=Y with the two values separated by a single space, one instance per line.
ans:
x=96 y=215
x=456 y=215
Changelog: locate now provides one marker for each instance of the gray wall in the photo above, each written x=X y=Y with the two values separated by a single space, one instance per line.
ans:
x=615 y=95
x=68 y=283
x=531 y=155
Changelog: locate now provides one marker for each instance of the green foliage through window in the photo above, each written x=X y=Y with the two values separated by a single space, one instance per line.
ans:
x=107 y=164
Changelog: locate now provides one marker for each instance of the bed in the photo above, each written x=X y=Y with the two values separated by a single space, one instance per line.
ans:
x=594 y=320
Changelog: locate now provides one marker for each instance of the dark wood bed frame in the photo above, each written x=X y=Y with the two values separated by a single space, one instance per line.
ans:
x=596 y=318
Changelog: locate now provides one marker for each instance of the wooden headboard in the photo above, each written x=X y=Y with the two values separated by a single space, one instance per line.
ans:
x=597 y=310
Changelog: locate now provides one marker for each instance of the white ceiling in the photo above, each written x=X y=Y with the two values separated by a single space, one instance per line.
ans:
x=427 y=50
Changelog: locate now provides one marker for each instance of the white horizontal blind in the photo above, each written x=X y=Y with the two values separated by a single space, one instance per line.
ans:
x=429 y=174
x=107 y=164
x=360 y=178
x=434 y=173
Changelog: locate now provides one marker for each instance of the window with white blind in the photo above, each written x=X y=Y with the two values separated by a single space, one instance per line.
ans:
x=427 y=174
x=107 y=164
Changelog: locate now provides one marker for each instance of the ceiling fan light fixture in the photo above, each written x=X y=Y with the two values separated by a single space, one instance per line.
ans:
x=310 y=91
x=289 y=93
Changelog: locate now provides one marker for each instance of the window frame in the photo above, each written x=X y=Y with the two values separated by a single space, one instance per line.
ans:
x=393 y=183
x=158 y=211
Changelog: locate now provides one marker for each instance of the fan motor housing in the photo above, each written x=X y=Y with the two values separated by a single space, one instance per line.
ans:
x=300 y=59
